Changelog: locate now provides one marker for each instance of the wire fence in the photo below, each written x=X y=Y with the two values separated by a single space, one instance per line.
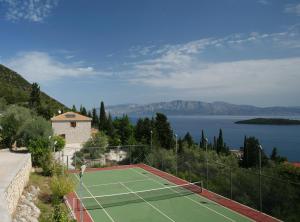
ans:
x=271 y=194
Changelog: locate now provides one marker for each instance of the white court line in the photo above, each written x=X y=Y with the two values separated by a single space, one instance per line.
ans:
x=97 y=201
x=162 y=213
x=140 y=191
x=106 y=184
x=200 y=204
x=211 y=201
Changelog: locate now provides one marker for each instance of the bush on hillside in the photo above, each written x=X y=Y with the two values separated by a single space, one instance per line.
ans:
x=47 y=163
x=60 y=142
x=3 y=105
x=59 y=215
x=11 y=121
x=33 y=129
x=59 y=169
x=95 y=146
x=40 y=150
x=61 y=185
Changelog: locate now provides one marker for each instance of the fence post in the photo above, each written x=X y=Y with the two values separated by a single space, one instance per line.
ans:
x=206 y=157
x=230 y=182
x=260 y=196
x=130 y=161
x=75 y=159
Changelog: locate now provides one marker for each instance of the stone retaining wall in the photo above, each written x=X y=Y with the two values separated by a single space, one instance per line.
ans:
x=16 y=187
x=16 y=170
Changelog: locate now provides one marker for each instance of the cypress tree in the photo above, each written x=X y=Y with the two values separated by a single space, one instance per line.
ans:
x=251 y=153
x=215 y=143
x=83 y=111
x=164 y=131
x=102 y=118
x=202 y=140
x=110 y=127
x=220 y=142
x=245 y=153
x=89 y=114
x=34 y=99
x=189 y=139
x=74 y=108
x=274 y=154
x=95 y=118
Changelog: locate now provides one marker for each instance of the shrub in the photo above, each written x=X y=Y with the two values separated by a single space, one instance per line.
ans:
x=61 y=185
x=34 y=129
x=77 y=159
x=11 y=122
x=60 y=143
x=39 y=150
x=58 y=169
x=3 y=105
x=95 y=146
x=47 y=163
x=59 y=215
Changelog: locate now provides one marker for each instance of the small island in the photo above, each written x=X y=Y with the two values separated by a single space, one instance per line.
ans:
x=269 y=121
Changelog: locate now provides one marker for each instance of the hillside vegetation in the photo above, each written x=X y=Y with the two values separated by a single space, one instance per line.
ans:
x=16 y=90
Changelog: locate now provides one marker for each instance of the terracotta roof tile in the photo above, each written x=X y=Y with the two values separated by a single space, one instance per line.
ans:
x=70 y=116
x=296 y=164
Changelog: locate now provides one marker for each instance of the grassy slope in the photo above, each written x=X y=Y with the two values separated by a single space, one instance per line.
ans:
x=44 y=199
x=15 y=90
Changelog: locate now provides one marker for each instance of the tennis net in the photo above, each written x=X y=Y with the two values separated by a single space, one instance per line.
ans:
x=119 y=199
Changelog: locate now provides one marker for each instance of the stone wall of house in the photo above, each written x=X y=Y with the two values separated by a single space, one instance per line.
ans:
x=79 y=134
x=14 y=190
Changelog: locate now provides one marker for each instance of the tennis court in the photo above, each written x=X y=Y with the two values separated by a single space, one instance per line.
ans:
x=135 y=193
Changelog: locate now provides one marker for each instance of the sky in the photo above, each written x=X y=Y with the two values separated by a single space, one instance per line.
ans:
x=138 y=51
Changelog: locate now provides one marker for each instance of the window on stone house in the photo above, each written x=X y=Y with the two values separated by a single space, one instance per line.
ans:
x=73 y=124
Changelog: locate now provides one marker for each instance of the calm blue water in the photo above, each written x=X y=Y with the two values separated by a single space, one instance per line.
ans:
x=285 y=138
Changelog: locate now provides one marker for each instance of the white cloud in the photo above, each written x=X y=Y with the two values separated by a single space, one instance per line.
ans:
x=293 y=8
x=186 y=68
x=31 y=10
x=248 y=77
x=40 y=67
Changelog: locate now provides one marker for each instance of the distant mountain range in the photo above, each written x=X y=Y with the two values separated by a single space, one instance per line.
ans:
x=182 y=107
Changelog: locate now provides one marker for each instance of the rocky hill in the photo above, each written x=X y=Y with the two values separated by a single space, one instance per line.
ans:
x=15 y=90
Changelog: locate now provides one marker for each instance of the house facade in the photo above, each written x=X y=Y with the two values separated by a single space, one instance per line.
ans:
x=75 y=128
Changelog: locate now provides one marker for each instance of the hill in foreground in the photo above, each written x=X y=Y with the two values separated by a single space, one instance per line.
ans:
x=16 y=90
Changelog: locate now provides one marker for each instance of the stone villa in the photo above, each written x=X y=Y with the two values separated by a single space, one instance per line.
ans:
x=75 y=128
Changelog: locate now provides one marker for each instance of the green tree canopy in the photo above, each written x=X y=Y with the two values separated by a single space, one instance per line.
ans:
x=202 y=140
x=33 y=129
x=143 y=130
x=188 y=139
x=251 y=153
x=124 y=128
x=11 y=122
x=83 y=110
x=34 y=99
x=74 y=108
x=102 y=118
x=164 y=131
x=95 y=118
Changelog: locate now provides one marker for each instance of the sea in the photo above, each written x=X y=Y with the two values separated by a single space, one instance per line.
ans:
x=285 y=138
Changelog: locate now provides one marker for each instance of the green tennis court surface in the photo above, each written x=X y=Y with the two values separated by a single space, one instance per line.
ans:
x=134 y=194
